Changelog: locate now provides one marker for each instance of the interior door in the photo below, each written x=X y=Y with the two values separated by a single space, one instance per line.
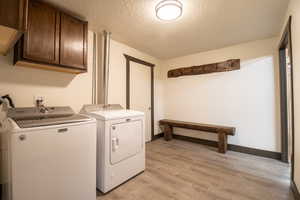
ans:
x=43 y=22
x=73 y=43
x=140 y=93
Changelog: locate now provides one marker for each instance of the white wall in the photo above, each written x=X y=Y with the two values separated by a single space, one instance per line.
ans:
x=294 y=10
x=245 y=99
x=59 y=89
x=117 y=78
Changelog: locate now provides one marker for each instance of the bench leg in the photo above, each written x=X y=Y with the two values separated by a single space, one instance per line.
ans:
x=168 y=131
x=222 y=142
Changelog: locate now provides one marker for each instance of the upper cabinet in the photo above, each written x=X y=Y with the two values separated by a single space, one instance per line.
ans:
x=13 y=22
x=41 y=41
x=54 y=40
x=73 y=42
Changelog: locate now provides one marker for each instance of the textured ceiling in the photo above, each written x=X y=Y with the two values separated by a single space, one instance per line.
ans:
x=204 y=25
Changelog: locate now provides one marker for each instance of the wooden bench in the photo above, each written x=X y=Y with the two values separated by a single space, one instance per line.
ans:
x=222 y=131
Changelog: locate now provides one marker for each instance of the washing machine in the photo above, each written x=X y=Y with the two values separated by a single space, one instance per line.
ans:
x=120 y=144
x=48 y=154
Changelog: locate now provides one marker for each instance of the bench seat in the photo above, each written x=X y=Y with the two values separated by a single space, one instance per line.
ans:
x=222 y=131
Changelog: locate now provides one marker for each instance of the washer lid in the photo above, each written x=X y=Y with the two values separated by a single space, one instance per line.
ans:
x=30 y=123
x=116 y=114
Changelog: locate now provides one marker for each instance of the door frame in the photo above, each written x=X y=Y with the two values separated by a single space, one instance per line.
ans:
x=286 y=42
x=147 y=64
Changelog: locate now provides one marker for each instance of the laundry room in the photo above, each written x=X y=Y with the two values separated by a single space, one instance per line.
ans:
x=149 y=99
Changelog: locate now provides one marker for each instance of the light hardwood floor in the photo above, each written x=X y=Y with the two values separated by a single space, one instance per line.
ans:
x=179 y=170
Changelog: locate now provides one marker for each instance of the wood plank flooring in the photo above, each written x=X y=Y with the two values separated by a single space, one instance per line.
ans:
x=179 y=170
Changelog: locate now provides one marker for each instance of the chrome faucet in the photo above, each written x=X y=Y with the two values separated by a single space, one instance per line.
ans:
x=41 y=107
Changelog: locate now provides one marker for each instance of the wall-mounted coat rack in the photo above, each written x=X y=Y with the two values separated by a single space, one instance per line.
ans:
x=229 y=65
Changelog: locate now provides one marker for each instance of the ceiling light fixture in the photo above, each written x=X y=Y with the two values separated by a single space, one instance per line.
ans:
x=168 y=10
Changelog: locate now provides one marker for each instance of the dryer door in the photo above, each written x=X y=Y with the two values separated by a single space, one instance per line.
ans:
x=126 y=140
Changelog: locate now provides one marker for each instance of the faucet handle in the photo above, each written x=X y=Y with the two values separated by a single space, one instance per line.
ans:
x=39 y=102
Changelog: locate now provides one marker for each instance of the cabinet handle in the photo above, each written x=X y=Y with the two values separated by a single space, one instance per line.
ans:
x=62 y=130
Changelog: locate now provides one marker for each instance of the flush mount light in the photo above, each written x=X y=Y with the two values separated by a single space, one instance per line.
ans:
x=168 y=10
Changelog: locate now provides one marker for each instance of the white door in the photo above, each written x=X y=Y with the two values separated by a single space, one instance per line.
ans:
x=126 y=140
x=140 y=93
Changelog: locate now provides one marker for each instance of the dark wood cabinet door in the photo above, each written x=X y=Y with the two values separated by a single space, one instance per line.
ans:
x=73 y=43
x=13 y=20
x=41 y=41
x=13 y=14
